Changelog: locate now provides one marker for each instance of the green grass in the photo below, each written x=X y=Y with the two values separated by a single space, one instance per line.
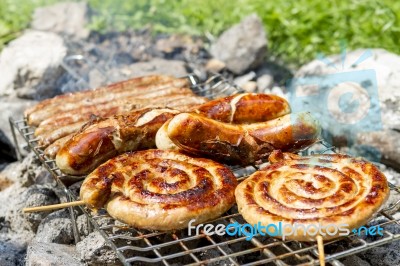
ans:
x=297 y=29
x=15 y=16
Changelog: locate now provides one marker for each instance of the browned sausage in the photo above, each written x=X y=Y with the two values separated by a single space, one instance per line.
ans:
x=87 y=96
x=110 y=137
x=51 y=150
x=145 y=92
x=242 y=108
x=245 y=108
x=118 y=107
x=242 y=144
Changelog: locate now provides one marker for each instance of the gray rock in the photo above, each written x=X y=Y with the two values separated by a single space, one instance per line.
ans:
x=50 y=254
x=14 y=196
x=56 y=228
x=28 y=172
x=94 y=251
x=31 y=63
x=383 y=256
x=10 y=254
x=75 y=188
x=386 y=142
x=96 y=78
x=243 y=46
x=12 y=107
x=392 y=175
x=278 y=91
x=241 y=80
x=39 y=196
x=215 y=65
x=355 y=261
x=249 y=86
x=265 y=82
x=82 y=224
x=155 y=66
x=69 y=18
x=17 y=192
x=386 y=67
x=15 y=231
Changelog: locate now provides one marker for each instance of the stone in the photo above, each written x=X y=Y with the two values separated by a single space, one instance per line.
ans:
x=385 y=142
x=28 y=172
x=249 y=86
x=241 y=80
x=18 y=191
x=386 y=68
x=279 y=91
x=11 y=255
x=392 y=175
x=82 y=224
x=56 y=228
x=15 y=231
x=383 y=255
x=243 y=46
x=265 y=82
x=96 y=78
x=39 y=196
x=155 y=66
x=75 y=188
x=215 y=65
x=32 y=63
x=65 y=18
x=11 y=107
x=355 y=261
x=51 y=254
x=94 y=251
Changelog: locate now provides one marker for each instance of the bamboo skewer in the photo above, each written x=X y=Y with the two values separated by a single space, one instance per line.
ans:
x=321 y=251
x=54 y=206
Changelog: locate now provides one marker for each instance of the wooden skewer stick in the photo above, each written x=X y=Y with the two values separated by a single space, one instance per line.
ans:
x=54 y=207
x=321 y=251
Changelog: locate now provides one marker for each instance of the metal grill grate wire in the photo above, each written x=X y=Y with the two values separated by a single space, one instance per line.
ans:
x=134 y=246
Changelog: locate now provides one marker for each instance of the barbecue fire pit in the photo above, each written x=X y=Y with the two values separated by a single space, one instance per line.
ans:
x=142 y=247
x=78 y=236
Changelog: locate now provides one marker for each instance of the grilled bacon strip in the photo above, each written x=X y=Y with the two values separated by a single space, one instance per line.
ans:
x=317 y=190
x=160 y=190
x=242 y=144
x=101 y=141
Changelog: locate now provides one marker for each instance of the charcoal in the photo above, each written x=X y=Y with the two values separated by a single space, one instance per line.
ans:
x=56 y=228
x=82 y=224
x=94 y=251
x=39 y=196
x=355 y=261
x=10 y=254
x=46 y=254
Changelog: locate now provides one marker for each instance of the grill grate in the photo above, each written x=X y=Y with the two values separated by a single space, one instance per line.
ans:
x=142 y=247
